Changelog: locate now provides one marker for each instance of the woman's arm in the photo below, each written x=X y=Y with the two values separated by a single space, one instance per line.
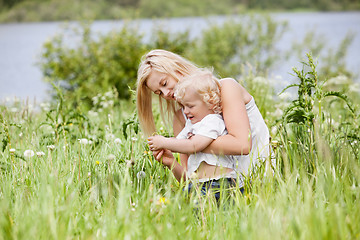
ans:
x=238 y=140
x=166 y=158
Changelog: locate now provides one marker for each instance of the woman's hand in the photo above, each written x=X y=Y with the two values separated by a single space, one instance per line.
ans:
x=156 y=142
x=165 y=157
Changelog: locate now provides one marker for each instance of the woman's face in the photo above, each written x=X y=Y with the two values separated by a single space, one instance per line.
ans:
x=162 y=84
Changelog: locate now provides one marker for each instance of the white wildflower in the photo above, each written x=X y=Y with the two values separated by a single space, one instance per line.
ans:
x=89 y=174
x=260 y=80
x=111 y=157
x=40 y=154
x=51 y=147
x=117 y=141
x=29 y=153
x=129 y=163
x=134 y=139
x=104 y=104
x=90 y=142
x=95 y=100
x=84 y=141
x=45 y=106
x=109 y=94
x=109 y=136
x=140 y=174
x=278 y=112
x=285 y=96
x=12 y=150
x=93 y=113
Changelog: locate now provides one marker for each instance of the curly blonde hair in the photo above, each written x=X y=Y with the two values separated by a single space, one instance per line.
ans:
x=205 y=84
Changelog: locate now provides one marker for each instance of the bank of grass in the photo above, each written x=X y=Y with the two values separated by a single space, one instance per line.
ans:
x=67 y=10
x=90 y=176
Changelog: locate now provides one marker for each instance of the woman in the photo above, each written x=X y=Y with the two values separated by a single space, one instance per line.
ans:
x=248 y=135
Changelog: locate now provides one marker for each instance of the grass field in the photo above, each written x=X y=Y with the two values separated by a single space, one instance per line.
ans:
x=70 y=173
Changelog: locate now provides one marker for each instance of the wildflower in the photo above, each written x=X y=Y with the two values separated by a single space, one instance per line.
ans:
x=45 y=106
x=134 y=139
x=129 y=163
x=117 y=140
x=278 y=112
x=40 y=154
x=109 y=94
x=260 y=80
x=93 y=114
x=162 y=201
x=89 y=174
x=20 y=134
x=29 y=153
x=97 y=163
x=51 y=147
x=90 y=142
x=12 y=150
x=111 y=157
x=95 y=100
x=84 y=141
x=140 y=175
x=109 y=136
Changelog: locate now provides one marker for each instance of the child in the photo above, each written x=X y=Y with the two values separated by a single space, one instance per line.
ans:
x=199 y=95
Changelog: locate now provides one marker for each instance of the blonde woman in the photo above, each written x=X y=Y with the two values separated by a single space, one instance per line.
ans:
x=159 y=73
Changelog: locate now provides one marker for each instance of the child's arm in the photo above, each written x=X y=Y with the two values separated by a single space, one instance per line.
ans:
x=196 y=143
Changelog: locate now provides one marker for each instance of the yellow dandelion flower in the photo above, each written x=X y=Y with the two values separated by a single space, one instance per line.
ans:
x=163 y=201
x=97 y=162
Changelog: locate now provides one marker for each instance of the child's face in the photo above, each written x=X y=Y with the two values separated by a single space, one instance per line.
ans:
x=162 y=84
x=195 y=108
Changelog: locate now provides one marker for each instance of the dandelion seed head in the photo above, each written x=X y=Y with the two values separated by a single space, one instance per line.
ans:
x=89 y=174
x=29 y=153
x=111 y=157
x=109 y=136
x=117 y=141
x=140 y=175
x=12 y=150
x=134 y=139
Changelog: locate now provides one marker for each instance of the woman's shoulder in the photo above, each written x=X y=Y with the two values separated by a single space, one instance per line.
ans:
x=230 y=86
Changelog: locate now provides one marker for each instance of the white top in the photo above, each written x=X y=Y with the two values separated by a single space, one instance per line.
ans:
x=210 y=126
x=213 y=126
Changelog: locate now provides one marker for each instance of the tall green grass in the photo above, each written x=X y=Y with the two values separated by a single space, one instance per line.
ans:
x=97 y=180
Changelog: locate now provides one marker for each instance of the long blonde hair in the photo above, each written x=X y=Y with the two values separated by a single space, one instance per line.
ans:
x=164 y=62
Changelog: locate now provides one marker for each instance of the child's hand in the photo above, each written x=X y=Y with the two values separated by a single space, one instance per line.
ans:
x=156 y=142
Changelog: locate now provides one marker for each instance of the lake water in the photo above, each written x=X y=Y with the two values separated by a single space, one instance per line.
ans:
x=21 y=44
